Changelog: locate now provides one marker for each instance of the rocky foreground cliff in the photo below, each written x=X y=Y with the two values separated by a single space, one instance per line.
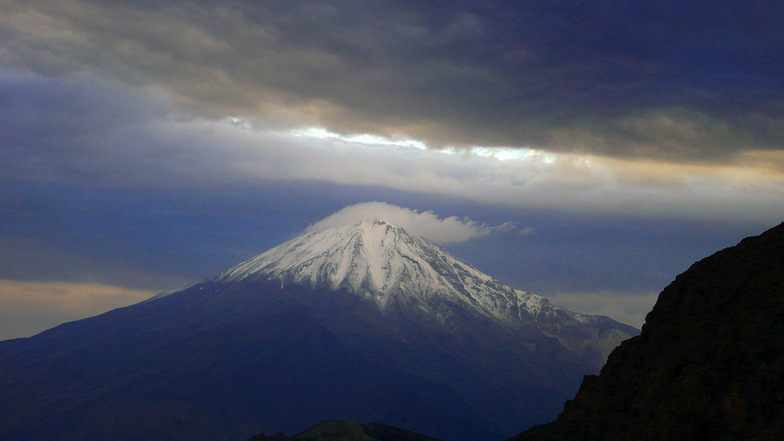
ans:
x=708 y=365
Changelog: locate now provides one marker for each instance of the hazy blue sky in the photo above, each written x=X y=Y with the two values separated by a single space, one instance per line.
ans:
x=584 y=151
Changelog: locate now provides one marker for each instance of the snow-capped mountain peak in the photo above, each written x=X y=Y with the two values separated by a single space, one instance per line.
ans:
x=381 y=262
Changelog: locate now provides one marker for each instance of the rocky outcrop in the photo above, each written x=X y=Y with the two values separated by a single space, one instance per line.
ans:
x=708 y=365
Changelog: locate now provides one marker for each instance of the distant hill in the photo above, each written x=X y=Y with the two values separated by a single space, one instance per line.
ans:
x=708 y=365
x=348 y=431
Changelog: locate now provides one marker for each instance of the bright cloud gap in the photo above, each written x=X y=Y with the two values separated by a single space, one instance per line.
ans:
x=362 y=138
x=499 y=153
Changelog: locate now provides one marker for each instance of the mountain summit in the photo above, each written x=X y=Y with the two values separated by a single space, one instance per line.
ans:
x=383 y=263
x=360 y=322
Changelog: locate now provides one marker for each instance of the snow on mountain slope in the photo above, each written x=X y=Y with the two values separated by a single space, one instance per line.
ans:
x=378 y=261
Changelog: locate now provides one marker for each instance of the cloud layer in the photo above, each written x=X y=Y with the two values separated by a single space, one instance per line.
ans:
x=675 y=81
x=426 y=224
x=98 y=133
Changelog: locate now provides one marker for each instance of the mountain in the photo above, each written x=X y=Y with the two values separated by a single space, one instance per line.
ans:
x=348 y=431
x=708 y=365
x=362 y=322
x=385 y=265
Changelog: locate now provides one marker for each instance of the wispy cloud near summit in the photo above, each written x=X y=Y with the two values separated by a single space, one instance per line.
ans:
x=420 y=223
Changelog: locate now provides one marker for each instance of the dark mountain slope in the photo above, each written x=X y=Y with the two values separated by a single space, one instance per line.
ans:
x=708 y=365
x=225 y=367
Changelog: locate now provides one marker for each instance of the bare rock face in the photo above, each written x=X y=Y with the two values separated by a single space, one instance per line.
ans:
x=708 y=365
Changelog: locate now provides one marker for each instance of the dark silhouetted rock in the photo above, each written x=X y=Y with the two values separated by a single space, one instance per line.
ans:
x=708 y=365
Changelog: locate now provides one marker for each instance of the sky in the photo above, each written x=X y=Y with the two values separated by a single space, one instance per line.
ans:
x=583 y=151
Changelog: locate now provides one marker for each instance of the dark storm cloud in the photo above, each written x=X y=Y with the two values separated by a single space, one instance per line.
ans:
x=672 y=80
x=45 y=120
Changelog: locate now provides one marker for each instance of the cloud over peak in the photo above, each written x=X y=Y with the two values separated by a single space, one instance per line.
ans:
x=419 y=223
